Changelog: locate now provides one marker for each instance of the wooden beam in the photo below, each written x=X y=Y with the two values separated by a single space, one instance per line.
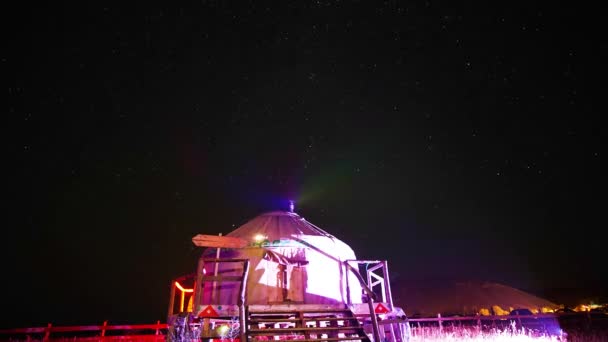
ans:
x=215 y=241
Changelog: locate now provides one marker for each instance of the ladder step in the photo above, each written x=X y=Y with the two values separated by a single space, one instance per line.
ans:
x=222 y=278
x=318 y=319
x=280 y=308
x=269 y=320
x=291 y=308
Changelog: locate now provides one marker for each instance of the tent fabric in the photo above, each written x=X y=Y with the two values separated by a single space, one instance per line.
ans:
x=466 y=298
x=301 y=264
x=277 y=225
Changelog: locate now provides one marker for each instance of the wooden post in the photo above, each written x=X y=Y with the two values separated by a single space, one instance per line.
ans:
x=103 y=328
x=387 y=283
x=301 y=323
x=439 y=320
x=171 y=299
x=47 y=332
x=372 y=313
x=371 y=296
x=392 y=331
x=206 y=326
x=382 y=333
x=344 y=271
x=400 y=334
x=217 y=264
x=519 y=321
x=199 y=288
x=242 y=301
x=333 y=333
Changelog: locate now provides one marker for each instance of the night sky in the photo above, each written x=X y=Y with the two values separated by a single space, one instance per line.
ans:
x=459 y=142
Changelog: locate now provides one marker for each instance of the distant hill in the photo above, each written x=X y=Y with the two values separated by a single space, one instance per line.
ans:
x=464 y=298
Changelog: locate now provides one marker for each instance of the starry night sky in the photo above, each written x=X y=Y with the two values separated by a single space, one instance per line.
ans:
x=456 y=141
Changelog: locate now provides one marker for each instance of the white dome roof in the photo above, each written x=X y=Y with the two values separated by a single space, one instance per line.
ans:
x=276 y=225
x=284 y=225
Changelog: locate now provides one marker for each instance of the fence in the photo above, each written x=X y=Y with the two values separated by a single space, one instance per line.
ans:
x=105 y=332
x=544 y=323
x=157 y=332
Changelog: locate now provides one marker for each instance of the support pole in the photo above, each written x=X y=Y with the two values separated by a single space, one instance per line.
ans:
x=439 y=320
x=217 y=257
x=242 y=302
x=47 y=332
x=387 y=284
x=171 y=299
x=371 y=296
x=372 y=313
x=198 y=288
x=103 y=328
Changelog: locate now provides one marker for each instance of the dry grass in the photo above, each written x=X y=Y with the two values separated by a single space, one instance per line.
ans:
x=460 y=334
x=477 y=335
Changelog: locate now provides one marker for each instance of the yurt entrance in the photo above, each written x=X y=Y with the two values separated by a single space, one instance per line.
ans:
x=283 y=279
x=289 y=285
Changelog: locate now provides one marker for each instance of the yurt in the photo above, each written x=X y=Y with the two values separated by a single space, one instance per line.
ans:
x=291 y=261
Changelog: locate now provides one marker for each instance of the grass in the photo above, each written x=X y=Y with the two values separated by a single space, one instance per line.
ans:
x=472 y=334
x=511 y=333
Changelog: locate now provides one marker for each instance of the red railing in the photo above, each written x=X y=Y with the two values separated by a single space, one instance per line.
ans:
x=129 y=332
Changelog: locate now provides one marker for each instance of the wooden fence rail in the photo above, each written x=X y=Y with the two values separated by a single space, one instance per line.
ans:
x=439 y=318
x=127 y=329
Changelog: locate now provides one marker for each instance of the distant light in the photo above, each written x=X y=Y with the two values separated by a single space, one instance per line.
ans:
x=259 y=237
x=291 y=206
x=222 y=330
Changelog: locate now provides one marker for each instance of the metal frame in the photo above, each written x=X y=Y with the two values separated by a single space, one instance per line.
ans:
x=374 y=280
